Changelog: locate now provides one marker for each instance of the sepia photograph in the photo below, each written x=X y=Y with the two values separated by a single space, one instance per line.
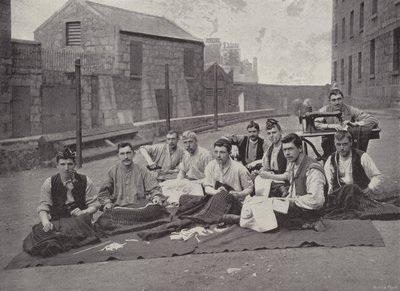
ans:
x=199 y=145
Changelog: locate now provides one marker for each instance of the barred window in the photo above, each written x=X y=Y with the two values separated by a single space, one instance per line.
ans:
x=136 y=58
x=361 y=16
x=372 y=57
x=73 y=33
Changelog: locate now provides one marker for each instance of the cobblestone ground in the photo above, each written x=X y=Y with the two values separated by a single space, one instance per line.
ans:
x=352 y=268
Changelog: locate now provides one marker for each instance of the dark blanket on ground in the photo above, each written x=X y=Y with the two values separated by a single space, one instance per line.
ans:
x=337 y=234
x=349 y=202
x=67 y=233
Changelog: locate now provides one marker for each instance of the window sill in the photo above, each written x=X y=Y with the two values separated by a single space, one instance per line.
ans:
x=133 y=77
x=374 y=16
x=359 y=80
x=397 y=72
x=361 y=30
x=189 y=78
x=372 y=76
x=351 y=36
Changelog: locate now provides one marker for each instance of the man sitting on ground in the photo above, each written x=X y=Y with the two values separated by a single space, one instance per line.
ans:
x=351 y=167
x=274 y=160
x=67 y=201
x=252 y=147
x=307 y=183
x=67 y=193
x=224 y=175
x=195 y=159
x=351 y=117
x=164 y=156
x=129 y=184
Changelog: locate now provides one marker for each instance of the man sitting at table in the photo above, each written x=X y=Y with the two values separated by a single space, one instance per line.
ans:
x=351 y=117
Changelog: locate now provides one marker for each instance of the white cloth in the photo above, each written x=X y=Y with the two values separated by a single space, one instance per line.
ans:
x=174 y=189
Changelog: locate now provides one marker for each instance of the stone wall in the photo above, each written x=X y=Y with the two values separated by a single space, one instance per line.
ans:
x=280 y=97
x=156 y=53
x=97 y=35
x=381 y=89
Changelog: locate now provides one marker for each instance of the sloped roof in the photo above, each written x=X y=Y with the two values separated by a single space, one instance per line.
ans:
x=136 y=22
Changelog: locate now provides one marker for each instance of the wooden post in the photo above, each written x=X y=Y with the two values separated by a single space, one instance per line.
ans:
x=215 y=97
x=168 y=119
x=78 y=114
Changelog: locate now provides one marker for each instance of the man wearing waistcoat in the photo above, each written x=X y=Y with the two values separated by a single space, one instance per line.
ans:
x=67 y=193
x=351 y=167
x=252 y=147
x=307 y=181
x=274 y=160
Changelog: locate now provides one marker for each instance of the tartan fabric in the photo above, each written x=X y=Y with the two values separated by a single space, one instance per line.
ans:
x=349 y=202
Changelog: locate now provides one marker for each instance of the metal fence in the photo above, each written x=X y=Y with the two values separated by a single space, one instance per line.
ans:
x=32 y=56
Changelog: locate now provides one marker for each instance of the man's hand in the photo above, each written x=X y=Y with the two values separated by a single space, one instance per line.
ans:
x=47 y=226
x=349 y=123
x=235 y=193
x=221 y=190
x=77 y=212
x=157 y=200
x=108 y=205
x=266 y=174
x=335 y=126
x=368 y=192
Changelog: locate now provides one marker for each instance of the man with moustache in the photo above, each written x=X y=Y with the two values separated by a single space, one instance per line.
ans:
x=166 y=156
x=129 y=184
x=307 y=183
x=195 y=159
x=66 y=194
x=251 y=147
x=351 y=116
x=351 y=168
x=223 y=175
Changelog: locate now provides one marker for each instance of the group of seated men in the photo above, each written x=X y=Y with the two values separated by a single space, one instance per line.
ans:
x=305 y=182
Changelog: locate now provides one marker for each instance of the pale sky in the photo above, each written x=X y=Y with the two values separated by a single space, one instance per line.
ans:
x=290 y=38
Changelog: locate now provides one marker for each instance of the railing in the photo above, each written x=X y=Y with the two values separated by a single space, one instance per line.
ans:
x=31 y=56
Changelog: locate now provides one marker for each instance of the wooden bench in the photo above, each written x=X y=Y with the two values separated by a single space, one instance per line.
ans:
x=50 y=144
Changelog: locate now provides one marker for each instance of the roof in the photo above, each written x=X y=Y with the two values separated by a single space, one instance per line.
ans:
x=131 y=21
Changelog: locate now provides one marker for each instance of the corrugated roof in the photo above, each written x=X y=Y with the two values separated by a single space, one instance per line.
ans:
x=136 y=22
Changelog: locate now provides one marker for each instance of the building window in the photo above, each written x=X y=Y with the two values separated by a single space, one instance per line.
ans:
x=343 y=29
x=350 y=74
x=396 y=50
x=188 y=62
x=336 y=34
x=342 y=71
x=335 y=71
x=351 y=23
x=374 y=8
x=372 y=58
x=136 y=58
x=359 y=62
x=361 y=16
x=73 y=33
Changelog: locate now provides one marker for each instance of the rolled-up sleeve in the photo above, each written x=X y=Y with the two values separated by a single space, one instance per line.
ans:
x=245 y=179
x=106 y=190
x=45 y=202
x=151 y=185
x=315 y=198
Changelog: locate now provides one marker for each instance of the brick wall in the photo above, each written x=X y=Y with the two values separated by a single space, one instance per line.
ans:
x=381 y=89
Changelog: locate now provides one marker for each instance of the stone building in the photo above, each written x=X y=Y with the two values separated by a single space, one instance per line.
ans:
x=140 y=45
x=227 y=100
x=228 y=56
x=366 y=51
